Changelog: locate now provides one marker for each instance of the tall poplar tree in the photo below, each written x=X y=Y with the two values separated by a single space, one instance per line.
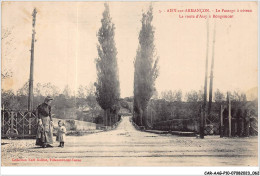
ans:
x=146 y=69
x=107 y=85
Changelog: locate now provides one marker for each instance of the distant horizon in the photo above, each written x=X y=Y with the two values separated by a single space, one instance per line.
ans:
x=251 y=95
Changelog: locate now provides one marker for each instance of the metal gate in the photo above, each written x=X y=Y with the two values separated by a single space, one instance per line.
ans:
x=18 y=124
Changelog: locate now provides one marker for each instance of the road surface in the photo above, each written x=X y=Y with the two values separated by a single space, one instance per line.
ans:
x=126 y=146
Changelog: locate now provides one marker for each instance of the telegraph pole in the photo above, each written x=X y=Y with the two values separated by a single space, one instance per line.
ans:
x=30 y=98
x=212 y=70
x=202 y=122
x=229 y=114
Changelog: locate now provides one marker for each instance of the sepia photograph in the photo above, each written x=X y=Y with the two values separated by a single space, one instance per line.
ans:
x=129 y=84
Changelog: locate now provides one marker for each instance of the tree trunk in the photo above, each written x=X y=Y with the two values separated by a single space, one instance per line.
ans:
x=134 y=117
x=202 y=122
x=146 y=117
x=104 y=118
x=109 y=117
x=141 y=117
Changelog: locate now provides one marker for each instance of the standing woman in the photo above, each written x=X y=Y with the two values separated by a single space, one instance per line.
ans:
x=44 y=136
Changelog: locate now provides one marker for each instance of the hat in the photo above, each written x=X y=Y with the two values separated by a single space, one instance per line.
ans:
x=48 y=98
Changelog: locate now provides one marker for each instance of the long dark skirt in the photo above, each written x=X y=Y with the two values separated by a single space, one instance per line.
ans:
x=44 y=133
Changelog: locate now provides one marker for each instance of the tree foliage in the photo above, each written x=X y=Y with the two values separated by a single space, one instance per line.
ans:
x=219 y=96
x=9 y=100
x=192 y=96
x=170 y=95
x=238 y=96
x=146 y=68
x=107 y=85
x=63 y=105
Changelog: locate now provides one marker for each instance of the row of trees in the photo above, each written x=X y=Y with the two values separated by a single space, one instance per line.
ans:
x=65 y=104
x=197 y=96
x=145 y=64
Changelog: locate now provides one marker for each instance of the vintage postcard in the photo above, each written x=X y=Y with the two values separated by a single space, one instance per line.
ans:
x=129 y=84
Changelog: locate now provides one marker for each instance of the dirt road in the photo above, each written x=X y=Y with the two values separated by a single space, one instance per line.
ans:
x=125 y=146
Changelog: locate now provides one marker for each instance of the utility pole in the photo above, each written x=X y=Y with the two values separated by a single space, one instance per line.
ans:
x=202 y=123
x=221 y=130
x=30 y=98
x=212 y=70
x=229 y=114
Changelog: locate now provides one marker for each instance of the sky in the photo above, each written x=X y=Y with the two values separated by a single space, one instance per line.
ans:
x=65 y=49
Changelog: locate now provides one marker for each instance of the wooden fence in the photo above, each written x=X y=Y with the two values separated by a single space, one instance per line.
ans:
x=177 y=125
x=18 y=124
